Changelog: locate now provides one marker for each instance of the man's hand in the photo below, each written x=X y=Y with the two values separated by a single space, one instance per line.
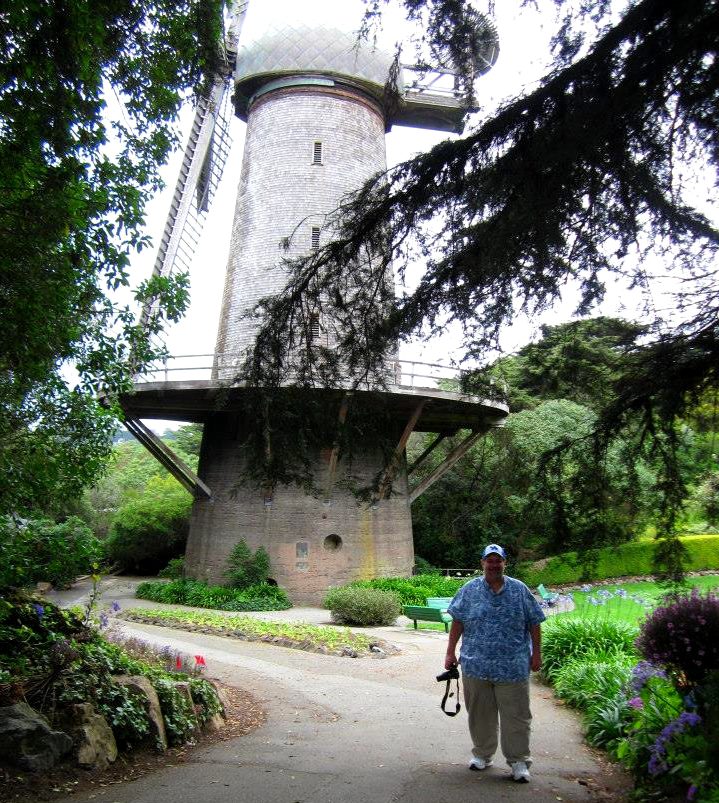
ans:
x=536 y=663
x=449 y=660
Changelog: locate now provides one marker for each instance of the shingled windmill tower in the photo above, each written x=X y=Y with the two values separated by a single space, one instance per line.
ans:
x=315 y=104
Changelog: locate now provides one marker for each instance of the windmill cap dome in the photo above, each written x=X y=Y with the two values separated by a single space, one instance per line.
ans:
x=318 y=51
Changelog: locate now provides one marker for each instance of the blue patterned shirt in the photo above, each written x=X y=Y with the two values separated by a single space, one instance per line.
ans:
x=496 y=643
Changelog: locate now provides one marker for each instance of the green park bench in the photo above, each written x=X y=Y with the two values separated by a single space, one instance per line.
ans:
x=425 y=613
x=550 y=597
x=439 y=602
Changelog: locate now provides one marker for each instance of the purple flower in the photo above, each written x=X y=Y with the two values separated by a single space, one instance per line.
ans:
x=636 y=702
x=586 y=588
x=656 y=765
x=104 y=621
x=115 y=607
x=642 y=672
x=620 y=592
x=692 y=792
x=39 y=610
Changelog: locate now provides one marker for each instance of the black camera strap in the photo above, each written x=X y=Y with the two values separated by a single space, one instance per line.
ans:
x=449 y=693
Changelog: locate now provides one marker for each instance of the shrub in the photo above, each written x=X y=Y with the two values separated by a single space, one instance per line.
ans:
x=683 y=635
x=150 y=530
x=415 y=590
x=607 y=723
x=39 y=549
x=245 y=568
x=174 y=569
x=564 y=638
x=592 y=680
x=51 y=659
x=260 y=597
x=422 y=566
x=177 y=712
x=363 y=606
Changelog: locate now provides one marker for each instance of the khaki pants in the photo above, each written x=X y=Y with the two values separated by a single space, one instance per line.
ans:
x=506 y=705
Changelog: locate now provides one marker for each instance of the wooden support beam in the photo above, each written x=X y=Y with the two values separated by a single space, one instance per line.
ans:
x=393 y=465
x=459 y=451
x=334 y=454
x=171 y=461
x=427 y=452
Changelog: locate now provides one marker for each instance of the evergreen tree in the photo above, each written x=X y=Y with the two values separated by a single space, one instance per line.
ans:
x=594 y=174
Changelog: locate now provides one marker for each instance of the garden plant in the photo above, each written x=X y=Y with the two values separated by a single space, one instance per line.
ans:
x=645 y=675
x=52 y=658
x=247 y=587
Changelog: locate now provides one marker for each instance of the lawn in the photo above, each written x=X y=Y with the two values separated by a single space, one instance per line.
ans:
x=627 y=602
x=631 y=604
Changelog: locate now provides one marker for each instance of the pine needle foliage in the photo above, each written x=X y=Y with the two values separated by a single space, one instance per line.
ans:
x=591 y=176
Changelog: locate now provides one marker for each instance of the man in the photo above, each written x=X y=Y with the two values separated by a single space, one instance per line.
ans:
x=499 y=622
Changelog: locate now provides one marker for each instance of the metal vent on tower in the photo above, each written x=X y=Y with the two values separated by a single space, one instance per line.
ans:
x=317 y=154
x=315 y=237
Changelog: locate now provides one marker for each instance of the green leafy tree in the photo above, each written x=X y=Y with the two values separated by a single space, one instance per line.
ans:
x=71 y=215
x=34 y=550
x=149 y=530
x=131 y=468
x=579 y=361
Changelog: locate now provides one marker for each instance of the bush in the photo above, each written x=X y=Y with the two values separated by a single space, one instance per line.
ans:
x=51 y=659
x=245 y=568
x=260 y=597
x=683 y=635
x=415 y=590
x=150 y=530
x=564 y=638
x=174 y=570
x=363 y=606
x=40 y=549
x=590 y=681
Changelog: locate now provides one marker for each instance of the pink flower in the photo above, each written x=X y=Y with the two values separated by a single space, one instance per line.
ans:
x=636 y=702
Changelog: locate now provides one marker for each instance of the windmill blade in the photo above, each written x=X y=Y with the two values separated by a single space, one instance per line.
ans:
x=202 y=165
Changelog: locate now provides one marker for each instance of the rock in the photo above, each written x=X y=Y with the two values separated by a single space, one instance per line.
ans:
x=222 y=695
x=184 y=688
x=27 y=740
x=93 y=738
x=140 y=686
x=43 y=588
x=348 y=651
x=215 y=723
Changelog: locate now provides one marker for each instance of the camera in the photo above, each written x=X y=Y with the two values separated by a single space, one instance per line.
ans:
x=449 y=674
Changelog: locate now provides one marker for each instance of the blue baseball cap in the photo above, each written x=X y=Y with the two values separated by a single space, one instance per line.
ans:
x=494 y=549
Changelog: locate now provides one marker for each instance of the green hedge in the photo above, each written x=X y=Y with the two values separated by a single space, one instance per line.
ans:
x=415 y=590
x=626 y=560
x=262 y=597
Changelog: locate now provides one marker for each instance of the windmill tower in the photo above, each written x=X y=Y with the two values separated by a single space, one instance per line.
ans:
x=315 y=106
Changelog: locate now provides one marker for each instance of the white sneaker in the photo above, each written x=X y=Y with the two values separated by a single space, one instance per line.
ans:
x=520 y=772
x=480 y=764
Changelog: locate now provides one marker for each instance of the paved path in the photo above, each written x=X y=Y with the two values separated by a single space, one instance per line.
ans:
x=354 y=730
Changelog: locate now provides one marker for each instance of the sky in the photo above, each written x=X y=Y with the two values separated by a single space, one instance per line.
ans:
x=522 y=60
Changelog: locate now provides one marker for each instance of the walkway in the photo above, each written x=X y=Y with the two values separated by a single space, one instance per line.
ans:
x=355 y=730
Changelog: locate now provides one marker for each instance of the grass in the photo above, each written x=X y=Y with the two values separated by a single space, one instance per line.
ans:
x=631 y=605
x=633 y=601
x=291 y=634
